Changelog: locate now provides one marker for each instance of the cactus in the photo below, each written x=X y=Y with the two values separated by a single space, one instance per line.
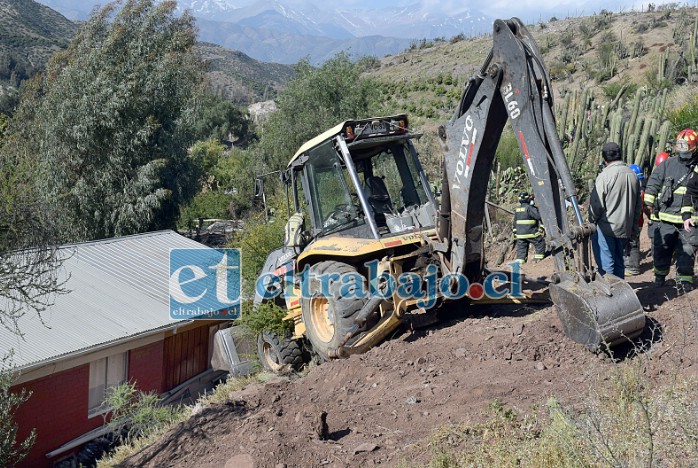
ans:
x=663 y=135
x=649 y=128
x=562 y=121
x=617 y=127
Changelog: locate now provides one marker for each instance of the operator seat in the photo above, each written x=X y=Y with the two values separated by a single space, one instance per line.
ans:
x=378 y=198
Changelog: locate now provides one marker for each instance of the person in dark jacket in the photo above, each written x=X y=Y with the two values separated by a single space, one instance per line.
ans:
x=528 y=229
x=665 y=195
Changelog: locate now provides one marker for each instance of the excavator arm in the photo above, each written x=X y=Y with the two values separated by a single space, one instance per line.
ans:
x=513 y=85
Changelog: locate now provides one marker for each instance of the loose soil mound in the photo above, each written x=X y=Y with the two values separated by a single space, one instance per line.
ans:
x=375 y=407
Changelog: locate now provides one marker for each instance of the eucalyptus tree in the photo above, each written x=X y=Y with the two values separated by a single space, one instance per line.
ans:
x=112 y=117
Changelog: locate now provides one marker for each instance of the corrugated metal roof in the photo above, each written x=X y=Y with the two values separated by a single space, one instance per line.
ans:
x=118 y=289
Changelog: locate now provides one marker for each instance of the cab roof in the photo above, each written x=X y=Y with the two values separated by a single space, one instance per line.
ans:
x=338 y=130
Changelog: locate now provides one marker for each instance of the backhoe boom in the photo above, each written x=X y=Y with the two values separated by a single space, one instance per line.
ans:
x=512 y=85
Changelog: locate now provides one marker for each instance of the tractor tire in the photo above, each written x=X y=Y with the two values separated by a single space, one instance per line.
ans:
x=278 y=354
x=328 y=319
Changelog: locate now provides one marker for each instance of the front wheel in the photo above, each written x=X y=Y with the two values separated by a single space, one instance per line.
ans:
x=328 y=315
x=277 y=353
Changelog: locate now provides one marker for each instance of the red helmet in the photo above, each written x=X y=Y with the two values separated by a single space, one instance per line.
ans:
x=661 y=157
x=686 y=141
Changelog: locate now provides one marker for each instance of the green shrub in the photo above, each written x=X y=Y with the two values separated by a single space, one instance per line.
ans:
x=685 y=116
x=266 y=317
x=140 y=413
x=211 y=204
x=611 y=90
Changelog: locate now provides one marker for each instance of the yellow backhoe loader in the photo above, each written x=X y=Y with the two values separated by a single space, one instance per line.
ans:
x=368 y=245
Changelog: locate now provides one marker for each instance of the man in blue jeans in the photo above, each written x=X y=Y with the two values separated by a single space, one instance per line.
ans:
x=615 y=206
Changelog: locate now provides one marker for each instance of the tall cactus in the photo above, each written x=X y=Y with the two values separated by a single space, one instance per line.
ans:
x=633 y=122
x=645 y=141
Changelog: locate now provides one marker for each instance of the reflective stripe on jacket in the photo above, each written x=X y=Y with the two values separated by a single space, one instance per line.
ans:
x=527 y=222
x=690 y=198
x=671 y=171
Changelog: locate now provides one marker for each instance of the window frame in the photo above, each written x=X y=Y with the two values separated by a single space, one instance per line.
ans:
x=99 y=409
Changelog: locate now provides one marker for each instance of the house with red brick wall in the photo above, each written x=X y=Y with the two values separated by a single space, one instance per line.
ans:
x=113 y=326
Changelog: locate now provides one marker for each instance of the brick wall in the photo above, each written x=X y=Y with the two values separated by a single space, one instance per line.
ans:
x=145 y=367
x=58 y=405
x=58 y=411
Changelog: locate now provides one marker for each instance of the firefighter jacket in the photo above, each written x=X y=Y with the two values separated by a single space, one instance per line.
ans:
x=615 y=204
x=689 y=207
x=527 y=222
x=666 y=188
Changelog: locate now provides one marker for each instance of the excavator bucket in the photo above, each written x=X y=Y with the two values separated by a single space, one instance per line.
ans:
x=598 y=314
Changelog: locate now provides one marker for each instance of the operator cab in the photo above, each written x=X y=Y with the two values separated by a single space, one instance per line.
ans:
x=362 y=179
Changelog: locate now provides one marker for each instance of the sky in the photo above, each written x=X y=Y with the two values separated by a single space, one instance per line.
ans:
x=531 y=11
x=524 y=9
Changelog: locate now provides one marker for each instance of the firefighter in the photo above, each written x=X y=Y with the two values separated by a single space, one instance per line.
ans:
x=528 y=229
x=689 y=208
x=632 y=260
x=664 y=195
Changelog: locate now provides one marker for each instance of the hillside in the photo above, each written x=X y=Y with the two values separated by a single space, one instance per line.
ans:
x=240 y=78
x=426 y=80
x=29 y=34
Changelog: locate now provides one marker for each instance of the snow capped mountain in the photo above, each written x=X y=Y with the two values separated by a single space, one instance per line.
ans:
x=421 y=19
x=284 y=31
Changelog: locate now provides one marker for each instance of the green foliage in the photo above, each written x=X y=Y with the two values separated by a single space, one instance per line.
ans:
x=256 y=241
x=139 y=412
x=29 y=260
x=29 y=34
x=3 y=126
x=685 y=116
x=219 y=119
x=209 y=204
x=235 y=173
x=205 y=155
x=267 y=316
x=368 y=62
x=611 y=90
x=12 y=451
x=508 y=152
x=112 y=118
x=457 y=38
x=317 y=99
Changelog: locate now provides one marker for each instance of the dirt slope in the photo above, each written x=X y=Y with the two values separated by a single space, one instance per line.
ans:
x=381 y=406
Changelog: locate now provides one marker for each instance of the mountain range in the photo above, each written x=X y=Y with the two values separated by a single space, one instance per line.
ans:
x=284 y=31
x=30 y=33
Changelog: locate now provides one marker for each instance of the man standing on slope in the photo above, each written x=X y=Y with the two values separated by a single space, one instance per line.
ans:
x=664 y=195
x=615 y=208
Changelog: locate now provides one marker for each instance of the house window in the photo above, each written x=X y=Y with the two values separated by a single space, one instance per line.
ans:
x=105 y=373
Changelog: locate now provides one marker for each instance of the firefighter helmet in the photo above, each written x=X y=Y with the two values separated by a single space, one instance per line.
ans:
x=661 y=157
x=524 y=197
x=686 y=141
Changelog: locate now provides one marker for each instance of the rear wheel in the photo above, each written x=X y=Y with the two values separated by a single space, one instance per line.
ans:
x=328 y=316
x=278 y=353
